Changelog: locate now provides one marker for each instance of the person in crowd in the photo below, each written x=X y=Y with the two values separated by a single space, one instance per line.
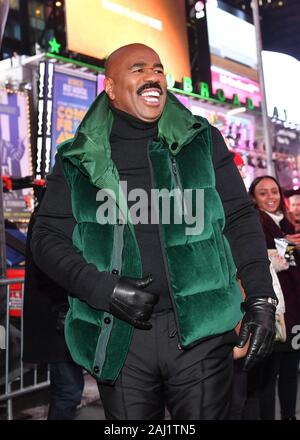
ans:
x=44 y=310
x=294 y=209
x=268 y=197
x=245 y=402
x=259 y=402
x=153 y=297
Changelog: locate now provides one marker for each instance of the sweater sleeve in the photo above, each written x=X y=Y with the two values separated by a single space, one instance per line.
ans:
x=53 y=249
x=242 y=229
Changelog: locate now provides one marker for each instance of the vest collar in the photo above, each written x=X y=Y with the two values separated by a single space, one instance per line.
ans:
x=178 y=126
x=90 y=149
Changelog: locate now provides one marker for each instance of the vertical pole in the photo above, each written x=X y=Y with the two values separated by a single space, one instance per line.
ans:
x=266 y=122
x=3 y=301
x=4 y=8
x=2 y=225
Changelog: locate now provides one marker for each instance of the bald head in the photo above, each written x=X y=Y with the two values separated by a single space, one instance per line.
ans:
x=135 y=82
x=119 y=54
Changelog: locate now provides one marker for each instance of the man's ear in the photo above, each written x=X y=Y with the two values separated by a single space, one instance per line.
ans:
x=109 y=88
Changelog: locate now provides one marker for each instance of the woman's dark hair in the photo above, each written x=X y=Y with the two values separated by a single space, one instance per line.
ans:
x=256 y=181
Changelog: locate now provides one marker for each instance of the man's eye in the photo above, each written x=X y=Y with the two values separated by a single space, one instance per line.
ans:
x=158 y=71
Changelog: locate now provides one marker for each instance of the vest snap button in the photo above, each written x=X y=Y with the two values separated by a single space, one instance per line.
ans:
x=196 y=125
x=96 y=369
x=107 y=320
x=115 y=272
x=174 y=146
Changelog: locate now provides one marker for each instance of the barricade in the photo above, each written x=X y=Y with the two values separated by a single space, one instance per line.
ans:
x=16 y=378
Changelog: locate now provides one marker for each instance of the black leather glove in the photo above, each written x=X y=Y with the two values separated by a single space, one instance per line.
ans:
x=131 y=303
x=259 y=322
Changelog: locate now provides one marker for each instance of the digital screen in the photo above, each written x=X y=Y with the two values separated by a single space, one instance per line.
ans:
x=230 y=36
x=16 y=149
x=282 y=73
x=232 y=84
x=98 y=27
x=72 y=96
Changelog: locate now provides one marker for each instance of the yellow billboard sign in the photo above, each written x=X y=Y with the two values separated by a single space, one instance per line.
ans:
x=98 y=27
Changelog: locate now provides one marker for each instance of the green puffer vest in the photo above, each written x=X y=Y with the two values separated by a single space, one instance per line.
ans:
x=200 y=267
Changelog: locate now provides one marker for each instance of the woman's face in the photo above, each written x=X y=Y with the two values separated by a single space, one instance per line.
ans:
x=267 y=195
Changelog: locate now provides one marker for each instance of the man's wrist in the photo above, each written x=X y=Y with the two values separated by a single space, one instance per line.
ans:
x=267 y=299
x=272 y=301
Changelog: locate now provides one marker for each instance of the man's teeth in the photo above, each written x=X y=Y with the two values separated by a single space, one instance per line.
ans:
x=153 y=93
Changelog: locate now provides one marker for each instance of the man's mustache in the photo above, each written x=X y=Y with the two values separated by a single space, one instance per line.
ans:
x=150 y=85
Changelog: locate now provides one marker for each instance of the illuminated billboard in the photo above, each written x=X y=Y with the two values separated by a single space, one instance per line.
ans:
x=282 y=73
x=230 y=36
x=72 y=97
x=16 y=149
x=98 y=27
x=232 y=84
x=63 y=100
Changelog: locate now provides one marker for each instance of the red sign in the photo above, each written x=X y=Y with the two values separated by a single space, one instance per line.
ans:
x=15 y=293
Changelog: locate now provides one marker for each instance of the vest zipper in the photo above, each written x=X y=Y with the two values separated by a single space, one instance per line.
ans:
x=226 y=258
x=175 y=173
x=178 y=186
x=177 y=180
x=108 y=318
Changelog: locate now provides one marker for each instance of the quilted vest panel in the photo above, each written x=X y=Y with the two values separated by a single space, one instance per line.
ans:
x=201 y=269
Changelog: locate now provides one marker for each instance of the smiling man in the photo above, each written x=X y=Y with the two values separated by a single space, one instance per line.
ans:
x=152 y=308
x=135 y=82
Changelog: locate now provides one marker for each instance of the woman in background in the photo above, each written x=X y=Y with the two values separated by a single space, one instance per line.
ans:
x=268 y=197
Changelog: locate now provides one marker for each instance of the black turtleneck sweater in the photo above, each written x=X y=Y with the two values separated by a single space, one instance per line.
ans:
x=54 y=252
x=129 y=142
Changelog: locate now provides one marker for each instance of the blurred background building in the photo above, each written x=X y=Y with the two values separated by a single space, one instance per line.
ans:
x=51 y=69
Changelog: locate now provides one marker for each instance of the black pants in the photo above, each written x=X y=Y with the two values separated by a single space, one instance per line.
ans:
x=66 y=386
x=262 y=379
x=285 y=368
x=239 y=390
x=193 y=384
